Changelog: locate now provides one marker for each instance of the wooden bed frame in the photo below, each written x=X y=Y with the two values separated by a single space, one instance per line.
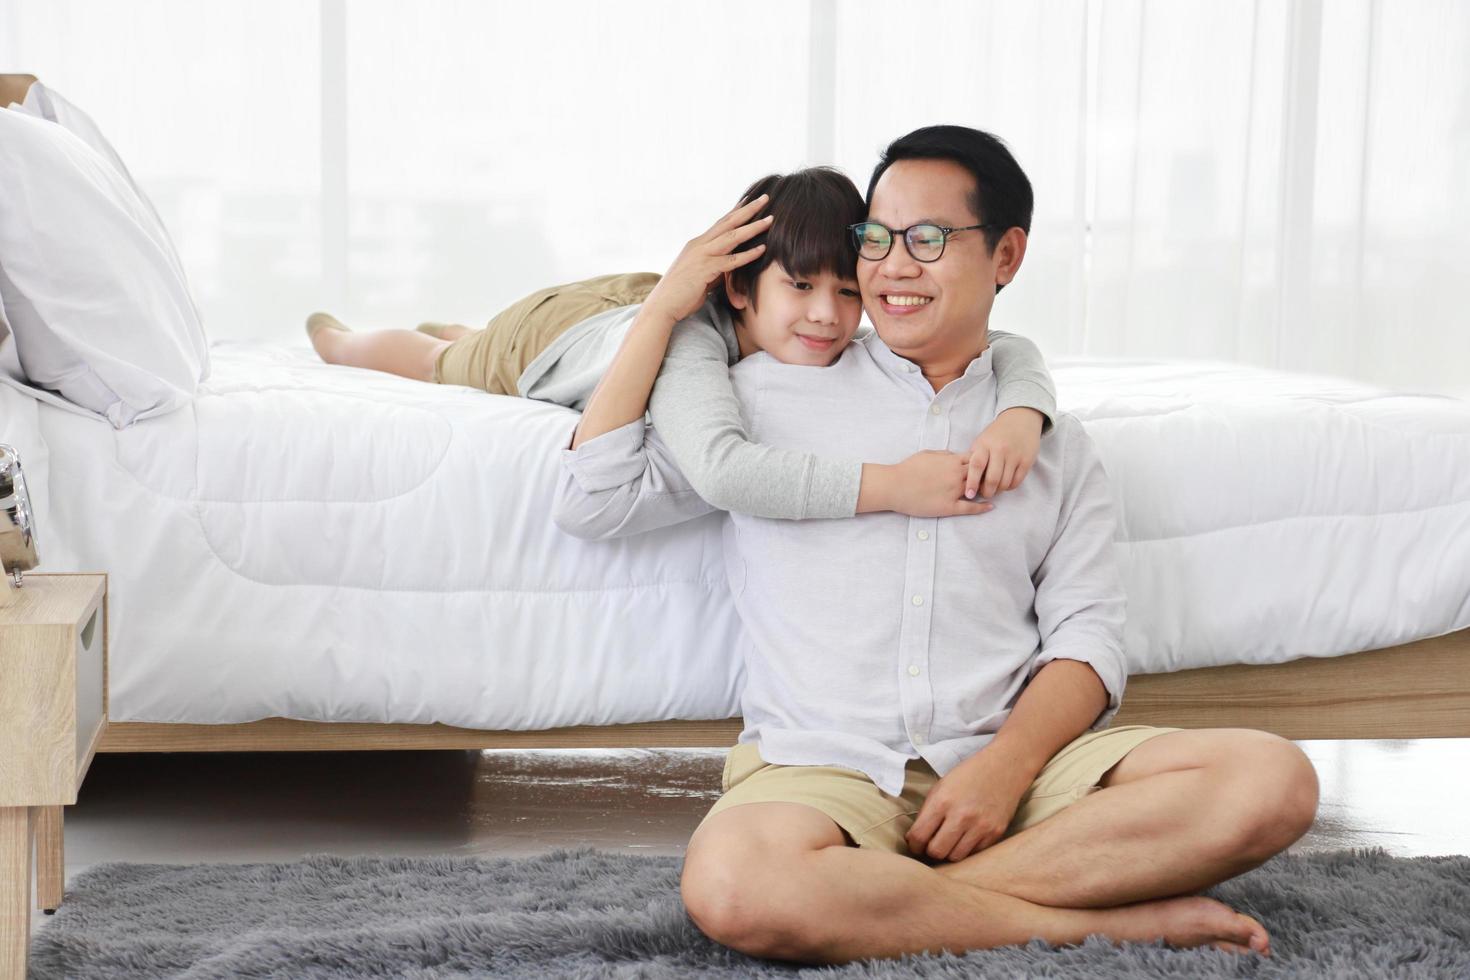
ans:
x=1418 y=690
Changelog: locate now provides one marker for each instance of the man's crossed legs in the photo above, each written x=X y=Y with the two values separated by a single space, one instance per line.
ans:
x=1181 y=812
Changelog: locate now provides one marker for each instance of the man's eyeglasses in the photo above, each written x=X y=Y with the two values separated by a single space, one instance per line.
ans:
x=925 y=242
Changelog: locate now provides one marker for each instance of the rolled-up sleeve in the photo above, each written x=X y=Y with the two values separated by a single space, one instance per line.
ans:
x=1080 y=602
x=622 y=482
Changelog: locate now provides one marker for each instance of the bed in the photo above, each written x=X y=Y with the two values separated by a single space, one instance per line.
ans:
x=319 y=557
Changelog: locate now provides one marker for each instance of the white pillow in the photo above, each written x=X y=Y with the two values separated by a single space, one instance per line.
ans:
x=48 y=104
x=89 y=281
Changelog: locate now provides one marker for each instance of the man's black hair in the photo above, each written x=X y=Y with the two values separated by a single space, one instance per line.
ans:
x=813 y=209
x=1002 y=194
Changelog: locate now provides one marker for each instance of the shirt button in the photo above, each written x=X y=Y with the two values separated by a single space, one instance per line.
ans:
x=923 y=535
x=918 y=740
x=913 y=670
x=936 y=410
x=918 y=600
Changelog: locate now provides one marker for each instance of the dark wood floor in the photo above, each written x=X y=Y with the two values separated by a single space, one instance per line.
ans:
x=1407 y=796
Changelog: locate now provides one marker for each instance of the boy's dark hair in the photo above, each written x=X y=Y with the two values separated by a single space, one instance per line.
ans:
x=1002 y=195
x=813 y=208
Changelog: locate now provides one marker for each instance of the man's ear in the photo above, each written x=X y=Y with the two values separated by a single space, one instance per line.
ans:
x=738 y=299
x=1009 y=252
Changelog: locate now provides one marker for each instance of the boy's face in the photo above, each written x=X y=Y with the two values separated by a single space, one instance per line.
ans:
x=799 y=320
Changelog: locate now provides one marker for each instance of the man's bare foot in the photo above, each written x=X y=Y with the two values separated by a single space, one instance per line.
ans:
x=1191 y=921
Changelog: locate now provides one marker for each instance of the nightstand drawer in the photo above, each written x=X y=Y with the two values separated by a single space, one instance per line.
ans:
x=52 y=690
x=90 y=665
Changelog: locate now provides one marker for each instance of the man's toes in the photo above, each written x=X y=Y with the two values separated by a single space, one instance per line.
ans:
x=1255 y=935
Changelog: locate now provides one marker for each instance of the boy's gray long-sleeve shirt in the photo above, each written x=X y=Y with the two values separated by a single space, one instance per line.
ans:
x=695 y=411
x=880 y=638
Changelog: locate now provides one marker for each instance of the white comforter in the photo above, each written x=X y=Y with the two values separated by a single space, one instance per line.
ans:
x=325 y=543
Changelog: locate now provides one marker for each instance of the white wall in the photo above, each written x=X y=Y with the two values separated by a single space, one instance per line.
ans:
x=1281 y=183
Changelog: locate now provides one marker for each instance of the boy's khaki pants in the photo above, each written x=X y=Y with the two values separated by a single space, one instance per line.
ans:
x=493 y=359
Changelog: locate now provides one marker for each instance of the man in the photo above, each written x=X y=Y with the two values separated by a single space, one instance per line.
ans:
x=924 y=765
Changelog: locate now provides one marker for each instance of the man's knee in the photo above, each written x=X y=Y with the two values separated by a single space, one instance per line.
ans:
x=739 y=881
x=1272 y=787
x=734 y=899
x=723 y=898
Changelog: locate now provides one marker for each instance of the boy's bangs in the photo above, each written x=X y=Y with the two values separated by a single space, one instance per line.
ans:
x=813 y=209
x=810 y=236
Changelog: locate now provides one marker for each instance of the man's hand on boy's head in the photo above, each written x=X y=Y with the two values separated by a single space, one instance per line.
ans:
x=705 y=259
x=1004 y=453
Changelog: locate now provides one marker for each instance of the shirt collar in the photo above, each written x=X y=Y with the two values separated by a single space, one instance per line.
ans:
x=978 y=370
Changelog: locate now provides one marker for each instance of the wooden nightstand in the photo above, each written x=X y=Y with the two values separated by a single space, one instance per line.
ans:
x=53 y=710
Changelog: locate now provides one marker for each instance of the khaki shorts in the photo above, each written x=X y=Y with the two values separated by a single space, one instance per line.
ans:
x=871 y=818
x=493 y=359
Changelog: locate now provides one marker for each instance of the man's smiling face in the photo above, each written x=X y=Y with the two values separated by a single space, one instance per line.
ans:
x=934 y=310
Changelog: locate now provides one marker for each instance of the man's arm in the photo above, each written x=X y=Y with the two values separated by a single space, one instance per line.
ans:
x=1080 y=604
x=1057 y=705
x=1076 y=680
x=971 y=807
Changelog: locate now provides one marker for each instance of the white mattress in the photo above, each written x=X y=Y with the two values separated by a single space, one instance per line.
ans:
x=326 y=543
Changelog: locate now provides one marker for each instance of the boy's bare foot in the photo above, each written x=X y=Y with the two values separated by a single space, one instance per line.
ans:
x=317 y=326
x=13 y=88
x=1191 y=921
x=443 y=331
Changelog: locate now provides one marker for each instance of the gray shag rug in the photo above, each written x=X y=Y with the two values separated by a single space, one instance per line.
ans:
x=589 y=913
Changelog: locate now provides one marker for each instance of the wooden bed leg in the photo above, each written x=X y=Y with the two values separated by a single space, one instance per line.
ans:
x=50 y=858
x=17 y=829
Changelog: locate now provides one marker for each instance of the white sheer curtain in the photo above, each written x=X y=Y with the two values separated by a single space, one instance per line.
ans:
x=1286 y=184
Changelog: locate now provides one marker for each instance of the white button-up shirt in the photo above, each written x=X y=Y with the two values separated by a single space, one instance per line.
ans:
x=880 y=638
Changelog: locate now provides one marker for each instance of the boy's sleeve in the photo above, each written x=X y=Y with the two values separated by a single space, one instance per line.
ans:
x=695 y=410
x=622 y=482
x=1021 y=377
x=1080 y=603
